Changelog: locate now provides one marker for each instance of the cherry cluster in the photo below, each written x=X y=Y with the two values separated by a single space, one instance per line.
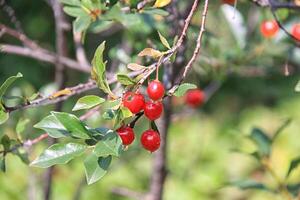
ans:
x=270 y=28
x=153 y=109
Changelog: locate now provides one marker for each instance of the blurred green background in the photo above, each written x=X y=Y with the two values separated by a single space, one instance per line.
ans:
x=200 y=158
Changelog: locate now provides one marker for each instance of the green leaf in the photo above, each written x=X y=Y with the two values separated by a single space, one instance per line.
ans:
x=53 y=127
x=121 y=114
x=262 y=141
x=125 y=80
x=71 y=2
x=163 y=40
x=81 y=23
x=58 y=154
x=293 y=165
x=72 y=124
x=21 y=125
x=74 y=11
x=7 y=83
x=22 y=154
x=111 y=144
x=281 y=128
x=109 y=114
x=294 y=189
x=249 y=184
x=5 y=141
x=183 y=88
x=2 y=164
x=98 y=70
x=96 y=167
x=297 y=87
x=3 y=115
x=155 y=11
x=88 y=102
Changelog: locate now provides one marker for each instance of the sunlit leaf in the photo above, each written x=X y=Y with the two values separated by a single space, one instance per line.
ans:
x=7 y=83
x=164 y=40
x=125 y=80
x=135 y=67
x=161 y=3
x=58 y=154
x=111 y=144
x=88 y=102
x=96 y=167
x=151 y=53
x=183 y=88
x=72 y=124
x=99 y=69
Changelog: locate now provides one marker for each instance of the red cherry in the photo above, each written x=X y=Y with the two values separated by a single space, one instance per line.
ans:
x=134 y=102
x=269 y=28
x=150 y=140
x=195 y=98
x=230 y=2
x=127 y=135
x=153 y=110
x=296 y=31
x=155 y=90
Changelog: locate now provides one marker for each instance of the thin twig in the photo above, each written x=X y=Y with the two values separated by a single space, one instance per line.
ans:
x=189 y=65
x=42 y=55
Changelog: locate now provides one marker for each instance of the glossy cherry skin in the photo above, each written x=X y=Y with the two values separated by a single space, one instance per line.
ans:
x=269 y=28
x=127 y=135
x=155 y=90
x=150 y=140
x=296 y=31
x=153 y=110
x=134 y=101
x=195 y=98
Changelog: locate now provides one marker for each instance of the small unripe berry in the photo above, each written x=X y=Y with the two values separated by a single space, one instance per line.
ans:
x=195 y=98
x=153 y=110
x=134 y=101
x=296 y=31
x=150 y=140
x=155 y=90
x=269 y=28
x=127 y=135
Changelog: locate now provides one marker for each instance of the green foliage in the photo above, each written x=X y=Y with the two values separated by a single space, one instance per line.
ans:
x=249 y=184
x=183 y=88
x=111 y=144
x=58 y=154
x=75 y=127
x=88 y=102
x=96 y=167
x=4 y=115
x=125 y=80
x=262 y=141
x=7 y=83
x=99 y=70
x=293 y=165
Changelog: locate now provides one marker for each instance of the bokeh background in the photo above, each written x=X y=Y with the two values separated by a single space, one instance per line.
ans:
x=253 y=91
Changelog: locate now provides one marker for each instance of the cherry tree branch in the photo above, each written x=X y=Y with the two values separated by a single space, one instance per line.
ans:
x=43 y=55
x=189 y=65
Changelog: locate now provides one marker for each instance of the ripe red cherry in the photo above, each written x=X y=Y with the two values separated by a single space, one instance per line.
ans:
x=269 y=28
x=195 y=97
x=155 y=90
x=153 y=110
x=150 y=140
x=134 y=102
x=296 y=31
x=127 y=135
x=230 y=2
